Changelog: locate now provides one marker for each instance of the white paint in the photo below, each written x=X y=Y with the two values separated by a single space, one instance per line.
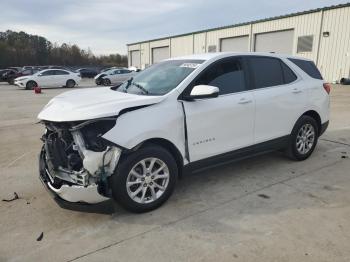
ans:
x=45 y=78
x=86 y=194
x=92 y=103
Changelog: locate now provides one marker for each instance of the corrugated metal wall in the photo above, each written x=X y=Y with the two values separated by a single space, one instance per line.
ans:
x=332 y=53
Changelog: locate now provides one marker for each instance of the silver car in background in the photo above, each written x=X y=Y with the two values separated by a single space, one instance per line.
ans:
x=117 y=76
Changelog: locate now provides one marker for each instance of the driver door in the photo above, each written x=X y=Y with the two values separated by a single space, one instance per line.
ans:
x=223 y=124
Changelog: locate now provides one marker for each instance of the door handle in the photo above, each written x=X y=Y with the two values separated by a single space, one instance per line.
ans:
x=296 y=91
x=243 y=101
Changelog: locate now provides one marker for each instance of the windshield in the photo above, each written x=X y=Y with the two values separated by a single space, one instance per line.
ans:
x=160 y=78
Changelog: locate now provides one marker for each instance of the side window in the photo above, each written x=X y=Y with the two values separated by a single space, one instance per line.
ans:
x=61 y=72
x=288 y=74
x=308 y=67
x=26 y=72
x=48 y=73
x=227 y=75
x=267 y=71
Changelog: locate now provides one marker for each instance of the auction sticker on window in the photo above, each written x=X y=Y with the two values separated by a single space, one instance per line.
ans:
x=190 y=65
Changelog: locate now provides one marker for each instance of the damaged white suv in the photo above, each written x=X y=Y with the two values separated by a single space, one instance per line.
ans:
x=132 y=142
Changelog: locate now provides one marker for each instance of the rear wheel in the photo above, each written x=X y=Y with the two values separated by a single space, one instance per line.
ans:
x=145 y=179
x=70 y=83
x=31 y=84
x=98 y=81
x=303 y=138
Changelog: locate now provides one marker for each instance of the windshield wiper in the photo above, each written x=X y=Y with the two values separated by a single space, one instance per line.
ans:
x=128 y=84
x=140 y=87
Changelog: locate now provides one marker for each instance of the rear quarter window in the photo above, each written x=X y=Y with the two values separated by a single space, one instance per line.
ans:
x=288 y=74
x=308 y=67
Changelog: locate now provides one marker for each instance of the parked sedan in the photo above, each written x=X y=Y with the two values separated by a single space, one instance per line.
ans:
x=87 y=72
x=12 y=75
x=3 y=73
x=117 y=76
x=49 y=78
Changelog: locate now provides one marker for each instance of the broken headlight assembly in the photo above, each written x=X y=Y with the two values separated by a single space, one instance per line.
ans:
x=77 y=154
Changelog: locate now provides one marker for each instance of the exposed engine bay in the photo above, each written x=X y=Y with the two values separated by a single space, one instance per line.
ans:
x=75 y=155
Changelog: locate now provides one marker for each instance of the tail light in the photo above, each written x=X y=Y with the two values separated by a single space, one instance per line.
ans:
x=327 y=87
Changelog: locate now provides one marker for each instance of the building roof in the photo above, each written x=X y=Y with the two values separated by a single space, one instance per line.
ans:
x=251 y=22
x=209 y=56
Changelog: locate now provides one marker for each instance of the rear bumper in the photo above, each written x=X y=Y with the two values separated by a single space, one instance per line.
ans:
x=324 y=127
x=68 y=193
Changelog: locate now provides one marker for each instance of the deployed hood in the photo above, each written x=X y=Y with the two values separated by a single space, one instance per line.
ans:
x=92 y=103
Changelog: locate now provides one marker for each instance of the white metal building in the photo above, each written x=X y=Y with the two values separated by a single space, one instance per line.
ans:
x=322 y=35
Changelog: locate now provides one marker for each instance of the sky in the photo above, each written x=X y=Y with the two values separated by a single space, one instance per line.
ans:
x=106 y=26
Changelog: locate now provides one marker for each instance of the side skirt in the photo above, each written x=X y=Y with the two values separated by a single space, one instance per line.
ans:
x=236 y=155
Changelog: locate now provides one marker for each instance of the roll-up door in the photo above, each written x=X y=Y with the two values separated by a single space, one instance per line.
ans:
x=159 y=54
x=278 y=42
x=235 y=44
x=135 y=59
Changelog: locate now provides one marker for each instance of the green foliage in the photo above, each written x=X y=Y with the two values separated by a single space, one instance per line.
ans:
x=22 y=49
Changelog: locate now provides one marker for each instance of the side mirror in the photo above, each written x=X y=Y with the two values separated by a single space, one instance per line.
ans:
x=203 y=91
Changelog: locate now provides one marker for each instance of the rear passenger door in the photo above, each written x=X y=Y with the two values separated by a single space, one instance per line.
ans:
x=61 y=77
x=279 y=96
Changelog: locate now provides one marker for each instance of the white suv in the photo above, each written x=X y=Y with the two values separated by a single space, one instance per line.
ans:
x=132 y=142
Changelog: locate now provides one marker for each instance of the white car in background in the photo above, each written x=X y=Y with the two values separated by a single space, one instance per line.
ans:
x=49 y=78
x=115 y=76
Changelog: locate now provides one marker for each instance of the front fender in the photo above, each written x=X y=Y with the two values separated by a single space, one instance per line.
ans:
x=164 y=120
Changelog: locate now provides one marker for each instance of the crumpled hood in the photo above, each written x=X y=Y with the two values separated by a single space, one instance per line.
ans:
x=92 y=103
x=99 y=75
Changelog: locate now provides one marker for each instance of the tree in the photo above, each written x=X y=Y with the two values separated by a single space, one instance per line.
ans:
x=20 y=49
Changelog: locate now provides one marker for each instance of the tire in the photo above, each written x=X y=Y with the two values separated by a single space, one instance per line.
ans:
x=303 y=139
x=31 y=84
x=70 y=83
x=11 y=81
x=107 y=82
x=132 y=164
x=98 y=81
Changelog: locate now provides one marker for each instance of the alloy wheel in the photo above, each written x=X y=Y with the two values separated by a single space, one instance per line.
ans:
x=148 y=180
x=305 y=139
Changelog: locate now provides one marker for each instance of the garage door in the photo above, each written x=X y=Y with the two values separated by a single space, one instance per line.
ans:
x=159 y=54
x=135 y=59
x=235 y=44
x=278 y=42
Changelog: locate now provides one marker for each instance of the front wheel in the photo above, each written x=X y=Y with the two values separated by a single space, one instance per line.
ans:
x=107 y=82
x=30 y=85
x=303 y=138
x=145 y=179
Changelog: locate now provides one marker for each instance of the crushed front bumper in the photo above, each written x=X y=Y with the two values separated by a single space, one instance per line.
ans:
x=71 y=193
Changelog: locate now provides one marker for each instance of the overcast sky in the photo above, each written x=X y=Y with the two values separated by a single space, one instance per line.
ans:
x=106 y=26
